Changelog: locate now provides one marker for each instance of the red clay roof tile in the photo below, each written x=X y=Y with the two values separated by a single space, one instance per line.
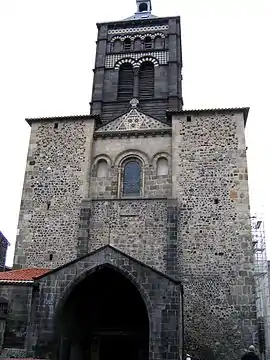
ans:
x=22 y=274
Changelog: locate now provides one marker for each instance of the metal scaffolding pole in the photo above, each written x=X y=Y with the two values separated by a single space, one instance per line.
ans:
x=261 y=285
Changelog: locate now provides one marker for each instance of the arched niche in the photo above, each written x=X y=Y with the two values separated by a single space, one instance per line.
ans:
x=117 y=45
x=138 y=44
x=162 y=166
x=102 y=168
x=159 y=42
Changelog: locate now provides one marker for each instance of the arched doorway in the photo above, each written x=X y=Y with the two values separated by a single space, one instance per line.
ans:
x=103 y=318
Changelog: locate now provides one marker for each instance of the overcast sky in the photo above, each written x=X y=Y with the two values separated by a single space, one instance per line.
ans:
x=47 y=57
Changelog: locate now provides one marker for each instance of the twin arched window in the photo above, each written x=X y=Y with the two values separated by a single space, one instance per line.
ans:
x=126 y=81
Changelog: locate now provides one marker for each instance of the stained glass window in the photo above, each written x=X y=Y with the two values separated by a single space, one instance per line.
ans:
x=132 y=178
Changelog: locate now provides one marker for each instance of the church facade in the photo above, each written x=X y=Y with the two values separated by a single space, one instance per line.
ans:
x=134 y=233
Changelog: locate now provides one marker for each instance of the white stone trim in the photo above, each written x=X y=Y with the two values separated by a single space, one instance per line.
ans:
x=134 y=120
x=161 y=57
x=123 y=156
x=124 y=61
x=138 y=29
x=137 y=36
x=99 y=157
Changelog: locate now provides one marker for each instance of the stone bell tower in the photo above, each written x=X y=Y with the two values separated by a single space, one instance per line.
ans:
x=143 y=197
x=139 y=57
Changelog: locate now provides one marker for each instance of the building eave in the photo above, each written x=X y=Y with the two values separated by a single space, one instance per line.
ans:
x=137 y=21
x=132 y=133
x=243 y=110
x=17 y=282
x=30 y=121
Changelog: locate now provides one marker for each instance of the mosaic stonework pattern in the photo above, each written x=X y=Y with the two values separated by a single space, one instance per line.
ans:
x=161 y=58
x=134 y=120
x=145 y=222
x=140 y=36
x=214 y=238
x=208 y=180
x=138 y=29
x=54 y=186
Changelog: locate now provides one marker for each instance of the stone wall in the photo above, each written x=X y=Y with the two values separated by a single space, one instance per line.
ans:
x=162 y=296
x=214 y=240
x=19 y=304
x=114 y=150
x=56 y=180
x=136 y=227
x=145 y=229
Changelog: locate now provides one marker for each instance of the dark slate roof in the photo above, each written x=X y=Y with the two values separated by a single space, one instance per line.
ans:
x=4 y=239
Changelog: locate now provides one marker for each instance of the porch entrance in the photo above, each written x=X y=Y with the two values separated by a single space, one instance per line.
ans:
x=104 y=318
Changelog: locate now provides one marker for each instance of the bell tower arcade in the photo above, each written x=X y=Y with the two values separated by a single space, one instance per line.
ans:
x=139 y=57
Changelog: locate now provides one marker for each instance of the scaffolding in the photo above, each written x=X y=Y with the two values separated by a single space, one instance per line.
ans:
x=261 y=285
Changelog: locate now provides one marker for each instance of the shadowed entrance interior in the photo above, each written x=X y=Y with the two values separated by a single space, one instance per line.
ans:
x=103 y=318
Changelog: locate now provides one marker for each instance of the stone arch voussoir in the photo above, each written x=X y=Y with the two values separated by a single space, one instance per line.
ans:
x=124 y=61
x=88 y=272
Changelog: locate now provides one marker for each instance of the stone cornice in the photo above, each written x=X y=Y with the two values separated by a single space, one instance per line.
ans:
x=135 y=133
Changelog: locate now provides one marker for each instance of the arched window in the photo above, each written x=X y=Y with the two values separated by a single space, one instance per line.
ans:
x=162 y=166
x=143 y=7
x=137 y=44
x=147 y=43
x=127 y=44
x=131 y=177
x=102 y=168
x=125 y=82
x=147 y=80
x=159 y=42
x=117 y=45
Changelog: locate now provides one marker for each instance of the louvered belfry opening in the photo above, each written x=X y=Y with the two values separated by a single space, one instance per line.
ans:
x=125 y=82
x=147 y=80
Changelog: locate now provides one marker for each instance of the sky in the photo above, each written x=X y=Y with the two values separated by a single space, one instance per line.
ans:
x=47 y=57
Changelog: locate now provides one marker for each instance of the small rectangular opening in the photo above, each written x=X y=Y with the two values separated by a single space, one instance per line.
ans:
x=55 y=126
x=188 y=118
x=48 y=205
x=51 y=257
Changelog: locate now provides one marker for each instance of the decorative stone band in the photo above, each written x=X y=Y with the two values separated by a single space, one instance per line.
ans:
x=138 y=29
x=156 y=57
x=136 y=36
x=134 y=120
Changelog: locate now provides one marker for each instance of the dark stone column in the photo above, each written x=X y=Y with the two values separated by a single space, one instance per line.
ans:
x=136 y=83
x=172 y=220
x=174 y=66
x=64 y=353
x=84 y=227
x=98 y=81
